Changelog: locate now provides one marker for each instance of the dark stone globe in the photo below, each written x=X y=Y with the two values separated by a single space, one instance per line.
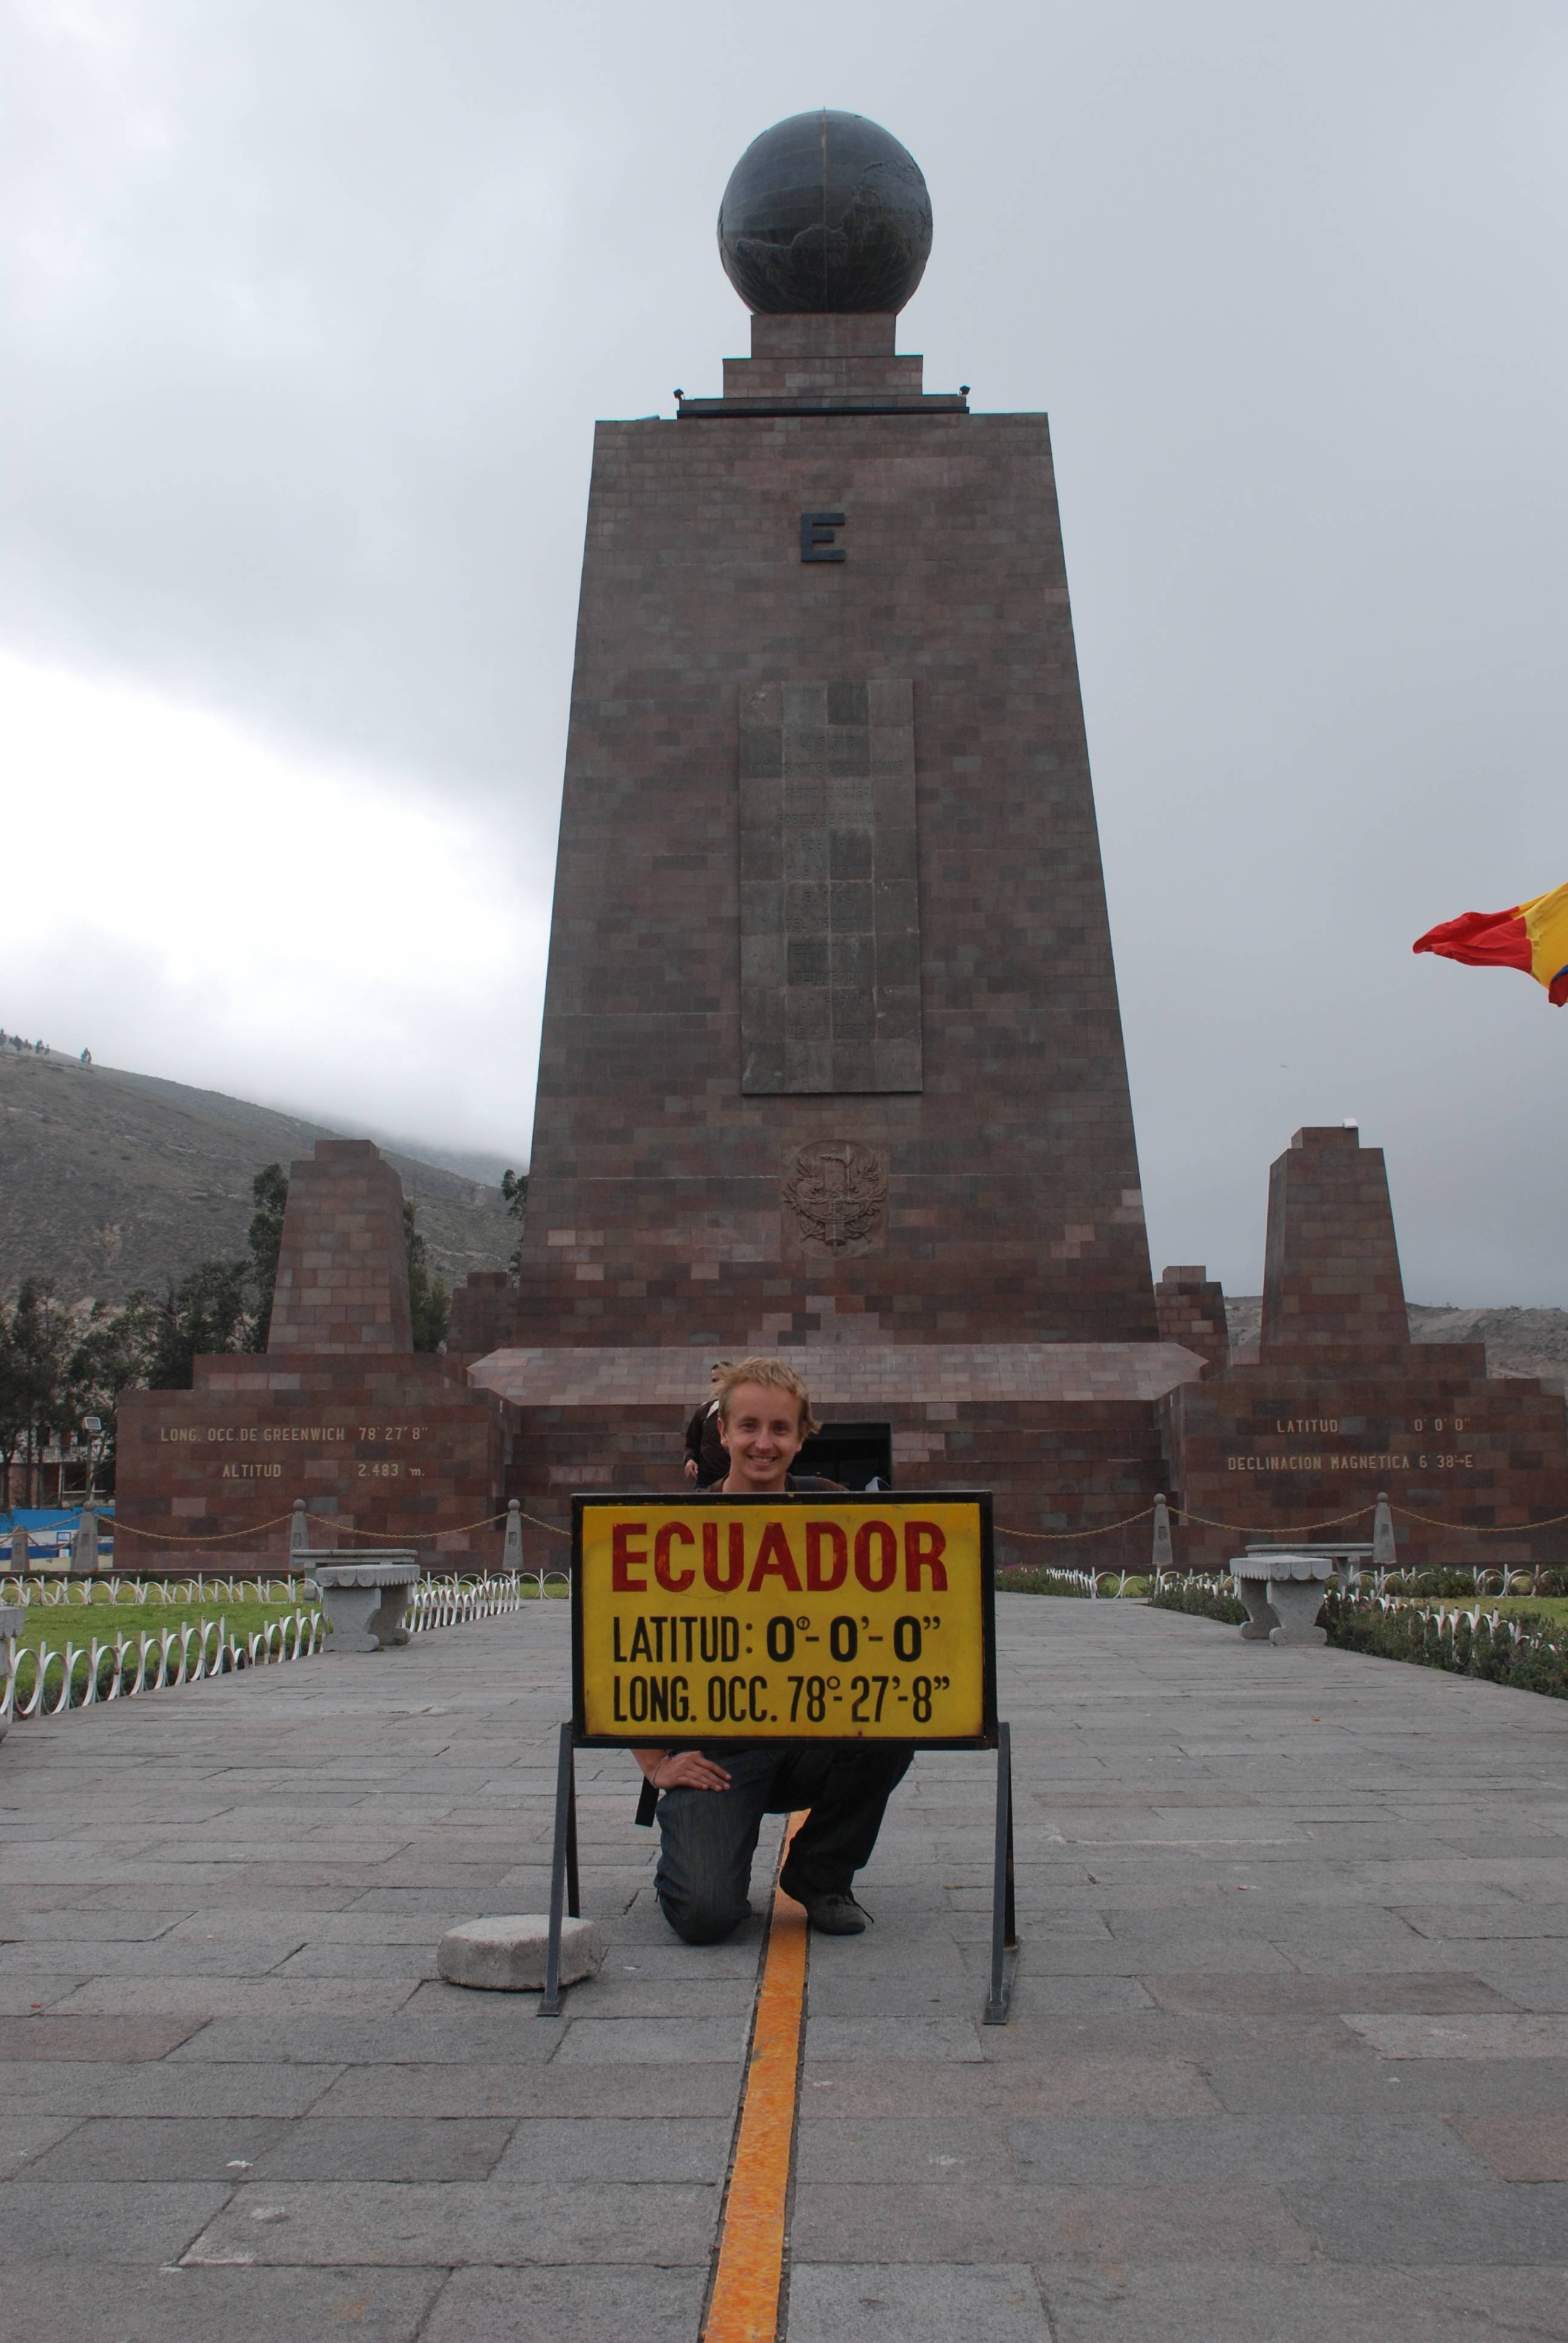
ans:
x=825 y=212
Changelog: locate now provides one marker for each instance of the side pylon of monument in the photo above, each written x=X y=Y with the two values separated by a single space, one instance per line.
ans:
x=1336 y=1403
x=385 y=1444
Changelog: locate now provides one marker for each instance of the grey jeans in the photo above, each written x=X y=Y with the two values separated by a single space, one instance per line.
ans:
x=708 y=1837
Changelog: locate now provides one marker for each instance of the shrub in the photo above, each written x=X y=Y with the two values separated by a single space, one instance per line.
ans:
x=1527 y=1653
x=1483 y=1580
x=1038 y=1578
x=1203 y=1597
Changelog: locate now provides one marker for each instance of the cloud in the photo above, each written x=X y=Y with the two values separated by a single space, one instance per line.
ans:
x=305 y=316
x=202 y=903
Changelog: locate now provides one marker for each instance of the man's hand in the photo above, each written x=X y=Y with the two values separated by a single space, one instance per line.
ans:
x=686 y=1769
x=689 y=1468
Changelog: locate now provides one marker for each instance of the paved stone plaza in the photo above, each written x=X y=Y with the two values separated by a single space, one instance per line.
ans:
x=1289 y=2054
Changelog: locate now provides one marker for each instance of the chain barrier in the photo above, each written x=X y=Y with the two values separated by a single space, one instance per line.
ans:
x=1032 y=1537
x=391 y=1537
x=388 y=1537
x=1179 y=1514
x=1269 y=1529
x=113 y=1527
x=1058 y=1537
x=1479 y=1529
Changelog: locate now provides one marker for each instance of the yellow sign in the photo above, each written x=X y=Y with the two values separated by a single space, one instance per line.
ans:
x=796 y=1618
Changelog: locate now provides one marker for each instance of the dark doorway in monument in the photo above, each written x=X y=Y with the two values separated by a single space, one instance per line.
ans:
x=854 y=1453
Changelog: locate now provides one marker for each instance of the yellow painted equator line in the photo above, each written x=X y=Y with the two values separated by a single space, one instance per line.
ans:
x=743 y=2307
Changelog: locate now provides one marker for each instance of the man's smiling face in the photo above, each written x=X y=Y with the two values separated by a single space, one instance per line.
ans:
x=763 y=1436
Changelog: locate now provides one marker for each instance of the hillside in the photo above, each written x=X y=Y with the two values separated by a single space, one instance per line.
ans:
x=110 y=1180
x=1518 y=1342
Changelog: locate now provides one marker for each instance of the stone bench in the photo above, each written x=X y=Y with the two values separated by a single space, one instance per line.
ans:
x=1283 y=1593
x=365 y=1598
x=1347 y=1560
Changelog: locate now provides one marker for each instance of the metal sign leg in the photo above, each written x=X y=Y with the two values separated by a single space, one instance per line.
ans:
x=1004 y=1915
x=565 y=1895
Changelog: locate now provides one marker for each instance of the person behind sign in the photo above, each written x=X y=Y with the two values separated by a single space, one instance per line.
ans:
x=710 y=1804
x=705 y=1461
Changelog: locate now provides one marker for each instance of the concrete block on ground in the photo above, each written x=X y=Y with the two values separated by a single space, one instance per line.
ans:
x=505 y=1952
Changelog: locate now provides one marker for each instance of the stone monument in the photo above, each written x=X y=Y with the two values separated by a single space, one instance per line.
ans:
x=831 y=1056
x=340 y=1410
x=832 y=1059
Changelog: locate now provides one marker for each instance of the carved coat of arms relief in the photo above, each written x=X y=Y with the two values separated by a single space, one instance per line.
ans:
x=835 y=1191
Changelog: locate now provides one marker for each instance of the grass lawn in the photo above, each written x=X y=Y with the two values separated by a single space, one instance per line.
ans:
x=79 y=1622
x=1552 y=1608
x=57 y=1623
x=1024 y=1578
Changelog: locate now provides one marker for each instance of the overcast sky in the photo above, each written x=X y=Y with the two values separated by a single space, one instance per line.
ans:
x=307 y=307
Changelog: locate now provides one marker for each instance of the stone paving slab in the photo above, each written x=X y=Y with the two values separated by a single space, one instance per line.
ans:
x=1289 y=2054
x=178 y=2304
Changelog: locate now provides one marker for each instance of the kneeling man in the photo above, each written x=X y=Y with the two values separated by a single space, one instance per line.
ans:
x=711 y=1802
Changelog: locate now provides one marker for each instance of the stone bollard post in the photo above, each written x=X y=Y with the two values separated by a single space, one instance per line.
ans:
x=512 y=1552
x=298 y=1532
x=1162 y=1559
x=84 y=1543
x=21 y=1559
x=1382 y=1547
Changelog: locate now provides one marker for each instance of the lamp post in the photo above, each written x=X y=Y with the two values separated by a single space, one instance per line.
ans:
x=93 y=1426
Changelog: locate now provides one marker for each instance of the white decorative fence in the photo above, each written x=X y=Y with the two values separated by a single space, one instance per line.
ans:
x=1095 y=1585
x=452 y=1602
x=1442 y=1625
x=51 y=1678
x=81 y=1594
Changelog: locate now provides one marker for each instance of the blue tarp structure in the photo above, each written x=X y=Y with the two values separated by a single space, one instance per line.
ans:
x=50 y=1530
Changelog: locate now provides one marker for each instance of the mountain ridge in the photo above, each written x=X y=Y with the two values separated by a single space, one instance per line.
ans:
x=1519 y=1341
x=111 y=1181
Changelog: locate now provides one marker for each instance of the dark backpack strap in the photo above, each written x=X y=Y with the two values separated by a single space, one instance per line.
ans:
x=648 y=1801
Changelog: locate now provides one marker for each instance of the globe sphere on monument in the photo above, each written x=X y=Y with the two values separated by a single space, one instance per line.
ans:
x=825 y=212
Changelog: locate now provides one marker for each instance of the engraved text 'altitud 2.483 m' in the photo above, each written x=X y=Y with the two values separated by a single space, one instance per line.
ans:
x=830 y=907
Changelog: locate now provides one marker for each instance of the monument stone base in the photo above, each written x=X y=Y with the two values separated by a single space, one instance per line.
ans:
x=1284 y=1447
x=1065 y=1435
x=394 y=1443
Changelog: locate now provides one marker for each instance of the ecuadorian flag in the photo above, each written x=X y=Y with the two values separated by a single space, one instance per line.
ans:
x=1533 y=936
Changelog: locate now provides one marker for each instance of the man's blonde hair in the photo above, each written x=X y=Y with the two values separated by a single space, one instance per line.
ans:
x=773 y=1374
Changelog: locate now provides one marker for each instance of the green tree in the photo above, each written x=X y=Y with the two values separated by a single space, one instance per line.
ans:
x=222 y=1305
x=429 y=1304
x=13 y=1404
x=515 y=1196
x=269 y=1193
x=207 y=1311
x=114 y=1353
x=35 y=1342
